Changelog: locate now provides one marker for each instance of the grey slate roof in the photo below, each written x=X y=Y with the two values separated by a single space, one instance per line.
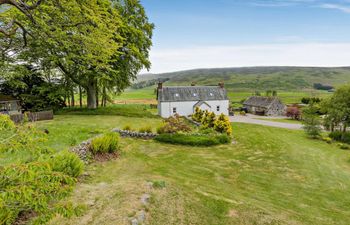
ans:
x=259 y=101
x=192 y=93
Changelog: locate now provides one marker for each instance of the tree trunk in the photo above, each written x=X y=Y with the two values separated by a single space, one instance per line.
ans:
x=104 y=97
x=80 y=97
x=91 y=95
x=97 y=100
x=73 y=99
x=68 y=99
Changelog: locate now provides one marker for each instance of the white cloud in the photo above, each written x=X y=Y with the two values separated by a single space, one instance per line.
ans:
x=342 y=8
x=298 y=54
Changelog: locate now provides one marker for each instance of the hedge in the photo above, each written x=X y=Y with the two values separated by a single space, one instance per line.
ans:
x=193 y=139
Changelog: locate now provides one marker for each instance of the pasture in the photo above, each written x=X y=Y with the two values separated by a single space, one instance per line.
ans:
x=148 y=96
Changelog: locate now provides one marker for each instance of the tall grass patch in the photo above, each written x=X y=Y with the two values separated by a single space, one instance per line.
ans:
x=107 y=143
x=68 y=163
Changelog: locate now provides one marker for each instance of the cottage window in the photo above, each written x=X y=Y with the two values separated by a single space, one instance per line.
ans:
x=174 y=110
x=218 y=108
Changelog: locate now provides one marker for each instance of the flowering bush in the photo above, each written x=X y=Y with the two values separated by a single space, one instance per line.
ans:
x=208 y=119
x=198 y=115
x=294 y=113
x=222 y=124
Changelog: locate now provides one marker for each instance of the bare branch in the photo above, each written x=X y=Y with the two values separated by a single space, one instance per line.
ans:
x=22 y=6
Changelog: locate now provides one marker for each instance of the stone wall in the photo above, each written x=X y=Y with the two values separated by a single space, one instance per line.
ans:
x=133 y=134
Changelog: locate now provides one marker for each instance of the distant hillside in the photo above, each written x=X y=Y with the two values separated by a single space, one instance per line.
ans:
x=258 y=78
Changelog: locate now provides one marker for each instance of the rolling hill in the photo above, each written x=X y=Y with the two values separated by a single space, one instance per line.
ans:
x=258 y=78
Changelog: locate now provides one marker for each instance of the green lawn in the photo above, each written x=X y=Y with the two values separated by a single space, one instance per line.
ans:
x=271 y=176
x=281 y=120
x=70 y=130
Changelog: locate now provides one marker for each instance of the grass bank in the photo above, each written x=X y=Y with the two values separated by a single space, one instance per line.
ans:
x=271 y=176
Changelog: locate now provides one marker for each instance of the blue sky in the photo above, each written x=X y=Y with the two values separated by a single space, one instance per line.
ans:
x=226 y=33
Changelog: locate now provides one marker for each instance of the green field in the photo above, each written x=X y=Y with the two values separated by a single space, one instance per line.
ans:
x=287 y=97
x=145 y=93
x=270 y=176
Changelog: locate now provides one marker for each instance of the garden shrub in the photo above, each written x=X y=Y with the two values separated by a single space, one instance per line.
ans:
x=327 y=139
x=107 y=143
x=68 y=163
x=198 y=115
x=173 y=125
x=26 y=139
x=223 y=139
x=207 y=131
x=222 y=124
x=6 y=123
x=147 y=129
x=193 y=140
x=32 y=187
x=208 y=119
x=344 y=146
x=242 y=113
x=311 y=121
x=340 y=136
x=293 y=113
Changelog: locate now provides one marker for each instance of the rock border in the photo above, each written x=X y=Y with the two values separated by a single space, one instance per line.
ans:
x=83 y=150
x=134 y=134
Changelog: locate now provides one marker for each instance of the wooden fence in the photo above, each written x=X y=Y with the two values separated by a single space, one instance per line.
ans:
x=33 y=116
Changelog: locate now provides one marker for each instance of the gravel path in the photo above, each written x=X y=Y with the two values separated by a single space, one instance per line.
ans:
x=253 y=120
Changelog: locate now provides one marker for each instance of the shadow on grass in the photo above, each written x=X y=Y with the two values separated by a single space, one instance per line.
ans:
x=143 y=111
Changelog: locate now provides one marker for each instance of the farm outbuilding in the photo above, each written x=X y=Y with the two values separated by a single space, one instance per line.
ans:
x=185 y=99
x=9 y=105
x=266 y=106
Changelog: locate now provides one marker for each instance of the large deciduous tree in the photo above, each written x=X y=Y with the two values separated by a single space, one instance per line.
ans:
x=99 y=45
x=337 y=109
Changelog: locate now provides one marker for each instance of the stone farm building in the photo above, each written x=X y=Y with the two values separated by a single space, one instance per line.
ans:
x=184 y=100
x=267 y=106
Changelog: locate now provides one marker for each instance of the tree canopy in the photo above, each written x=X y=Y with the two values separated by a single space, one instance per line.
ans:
x=337 y=109
x=99 y=45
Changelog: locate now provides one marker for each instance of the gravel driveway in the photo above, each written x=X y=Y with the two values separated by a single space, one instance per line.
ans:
x=254 y=120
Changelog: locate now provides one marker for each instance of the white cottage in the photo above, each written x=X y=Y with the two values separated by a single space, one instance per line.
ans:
x=184 y=100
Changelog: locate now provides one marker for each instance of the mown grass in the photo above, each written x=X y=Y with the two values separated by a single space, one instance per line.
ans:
x=281 y=120
x=69 y=130
x=135 y=110
x=271 y=176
